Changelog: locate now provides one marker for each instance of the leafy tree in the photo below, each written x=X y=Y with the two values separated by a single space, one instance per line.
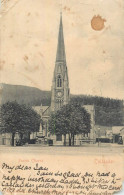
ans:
x=71 y=119
x=18 y=118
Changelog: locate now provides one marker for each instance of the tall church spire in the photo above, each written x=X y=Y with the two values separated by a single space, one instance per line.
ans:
x=60 y=56
x=60 y=85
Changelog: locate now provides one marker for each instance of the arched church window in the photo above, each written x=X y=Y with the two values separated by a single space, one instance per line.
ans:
x=59 y=81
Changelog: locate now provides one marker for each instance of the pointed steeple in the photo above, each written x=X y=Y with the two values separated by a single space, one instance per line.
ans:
x=60 y=92
x=60 y=56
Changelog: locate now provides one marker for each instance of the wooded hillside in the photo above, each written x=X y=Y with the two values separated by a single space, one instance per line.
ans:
x=108 y=111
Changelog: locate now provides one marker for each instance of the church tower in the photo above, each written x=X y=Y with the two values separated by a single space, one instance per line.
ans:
x=60 y=84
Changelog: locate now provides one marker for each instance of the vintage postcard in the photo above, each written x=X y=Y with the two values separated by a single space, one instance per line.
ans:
x=61 y=97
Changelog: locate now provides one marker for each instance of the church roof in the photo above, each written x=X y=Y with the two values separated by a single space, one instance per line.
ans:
x=39 y=108
x=45 y=108
x=47 y=111
x=60 y=56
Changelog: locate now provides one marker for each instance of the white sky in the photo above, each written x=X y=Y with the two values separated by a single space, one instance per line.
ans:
x=95 y=59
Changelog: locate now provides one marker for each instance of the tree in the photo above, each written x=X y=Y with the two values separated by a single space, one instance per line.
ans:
x=71 y=119
x=18 y=118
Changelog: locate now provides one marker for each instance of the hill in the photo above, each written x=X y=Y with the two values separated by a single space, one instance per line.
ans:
x=25 y=95
x=108 y=112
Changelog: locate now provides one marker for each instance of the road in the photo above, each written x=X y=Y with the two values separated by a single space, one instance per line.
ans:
x=86 y=149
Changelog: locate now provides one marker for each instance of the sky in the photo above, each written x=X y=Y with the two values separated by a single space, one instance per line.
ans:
x=95 y=59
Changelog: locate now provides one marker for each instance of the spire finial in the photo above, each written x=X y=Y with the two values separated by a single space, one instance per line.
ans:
x=61 y=7
x=60 y=57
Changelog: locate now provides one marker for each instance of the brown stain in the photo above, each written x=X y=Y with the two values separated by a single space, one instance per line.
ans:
x=2 y=62
x=1 y=67
x=41 y=54
x=25 y=58
x=31 y=69
x=11 y=36
x=97 y=23
x=66 y=8
x=104 y=51
x=29 y=14
x=36 y=68
x=36 y=45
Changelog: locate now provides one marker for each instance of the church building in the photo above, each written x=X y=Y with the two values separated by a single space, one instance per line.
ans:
x=60 y=95
x=60 y=92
